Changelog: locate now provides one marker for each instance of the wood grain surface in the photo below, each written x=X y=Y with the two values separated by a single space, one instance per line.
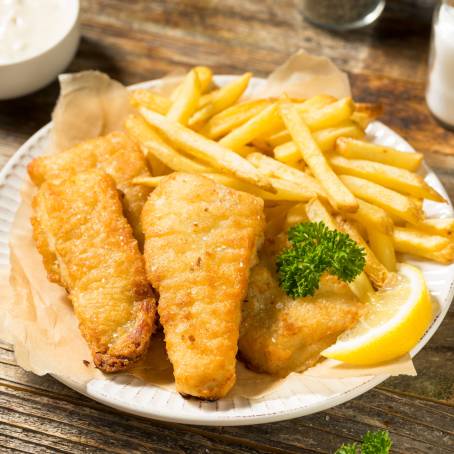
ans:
x=140 y=40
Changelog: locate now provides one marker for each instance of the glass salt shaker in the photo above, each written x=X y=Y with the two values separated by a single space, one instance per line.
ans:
x=440 y=84
x=340 y=15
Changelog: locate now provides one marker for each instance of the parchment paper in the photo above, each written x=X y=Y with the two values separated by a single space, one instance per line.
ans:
x=36 y=316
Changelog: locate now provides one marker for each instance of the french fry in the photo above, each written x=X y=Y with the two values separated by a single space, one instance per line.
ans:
x=400 y=180
x=232 y=117
x=151 y=182
x=391 y=201
x=278 y=134
x=153 y=146
x=328 y=116
x=262 y=145
x=382 y=246
x=245 y=150
x=374 y=269
x=317 y=212
x=272 y=168
x=361 y=287
x=207 y=150
x=325 y=138
x=204 y=75
x=433 y=247
x=149 y=99
x=339 y=195
x=443 y=226
x=284 y=190
x=207 y=98
x=187 y=99
x=253 y=128
x=225 y=97
x=138 y=129
x=358 y=149
x=372 y=216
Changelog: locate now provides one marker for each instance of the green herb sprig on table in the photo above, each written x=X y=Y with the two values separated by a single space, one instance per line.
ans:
x=378 y=442
x=315 y=249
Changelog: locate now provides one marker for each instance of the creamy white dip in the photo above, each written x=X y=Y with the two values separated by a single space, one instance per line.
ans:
x=29 y=27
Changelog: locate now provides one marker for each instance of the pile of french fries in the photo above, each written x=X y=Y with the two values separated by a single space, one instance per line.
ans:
x=307 y=158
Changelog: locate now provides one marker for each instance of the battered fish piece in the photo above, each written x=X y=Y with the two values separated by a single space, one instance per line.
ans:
x=116 y=154
x=88 y=247
x=200 y=241
x=280 y=334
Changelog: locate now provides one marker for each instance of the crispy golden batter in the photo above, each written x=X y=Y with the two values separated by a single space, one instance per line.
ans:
x=279 y=334
x=88 y=247
x=200 y=240
x=116 y=155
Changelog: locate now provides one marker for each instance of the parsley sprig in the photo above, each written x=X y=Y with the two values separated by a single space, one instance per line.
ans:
x=315 y=249
x=378 y=442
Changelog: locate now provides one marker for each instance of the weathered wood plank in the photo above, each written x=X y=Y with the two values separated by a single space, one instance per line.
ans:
x=413 y=423
x=142 y=40
x=253 y=30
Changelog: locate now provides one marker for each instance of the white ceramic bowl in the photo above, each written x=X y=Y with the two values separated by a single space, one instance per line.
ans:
x=28 y=75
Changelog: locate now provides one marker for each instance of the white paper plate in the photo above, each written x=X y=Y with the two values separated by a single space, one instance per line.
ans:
x=303 y=396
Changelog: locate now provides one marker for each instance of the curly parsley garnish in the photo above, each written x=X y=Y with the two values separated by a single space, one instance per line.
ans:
x=314 y=250
x=378 y=442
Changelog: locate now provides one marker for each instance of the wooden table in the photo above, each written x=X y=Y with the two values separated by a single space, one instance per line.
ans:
x=139 y=40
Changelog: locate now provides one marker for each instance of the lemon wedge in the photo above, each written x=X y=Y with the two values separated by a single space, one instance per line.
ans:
x=394 y=321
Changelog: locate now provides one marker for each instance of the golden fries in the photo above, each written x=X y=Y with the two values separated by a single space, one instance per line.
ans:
x=371 y=216
x=232 y=117
x=374 y=269
x=138 y=129
x=443 y=227
x=272 y=168
x=383 y=247
x=400 y=180
x=207 y=98
x=283 y=190
x=340 y=196
x=149 y=99
x=358 y=149
x=317 y=212
x=153 y=145
x=225 y=97
x=204 y=76
x=251 y=129
x=187 y=99
x=331 y=114
x=325 y=138
x=391 y=201
x=434 y=247
x=216 y=155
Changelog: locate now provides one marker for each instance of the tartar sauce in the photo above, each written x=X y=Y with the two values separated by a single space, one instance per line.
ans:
x=29 y=27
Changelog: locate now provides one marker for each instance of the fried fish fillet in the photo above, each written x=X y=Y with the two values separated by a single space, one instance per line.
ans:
x=280 y=334
x=88 y=247
x=116 y=154
x=200 y=241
